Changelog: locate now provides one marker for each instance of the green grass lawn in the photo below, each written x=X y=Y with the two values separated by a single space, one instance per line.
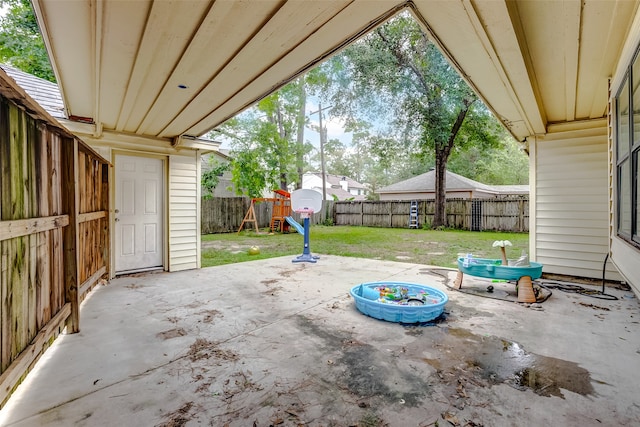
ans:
x=419 y=246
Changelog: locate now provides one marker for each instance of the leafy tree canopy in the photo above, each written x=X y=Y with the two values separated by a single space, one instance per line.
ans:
x=398 y=76
x=265 y=143
x=21 y=43
x=407 y=109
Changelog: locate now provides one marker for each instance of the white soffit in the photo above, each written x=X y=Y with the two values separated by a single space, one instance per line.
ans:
x=121 y=63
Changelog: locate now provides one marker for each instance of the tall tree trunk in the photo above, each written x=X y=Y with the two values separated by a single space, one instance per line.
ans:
x=283 y=137
x=440 y=217
x=442 y=156
x=300 y=140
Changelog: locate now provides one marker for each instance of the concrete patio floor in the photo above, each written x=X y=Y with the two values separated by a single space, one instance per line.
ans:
x=271 y=342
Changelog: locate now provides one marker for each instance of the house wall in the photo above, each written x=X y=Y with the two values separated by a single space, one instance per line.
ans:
x=624 y=256
x=312 y=181
x=184 y=212
x=569 y=230
x=182 y=230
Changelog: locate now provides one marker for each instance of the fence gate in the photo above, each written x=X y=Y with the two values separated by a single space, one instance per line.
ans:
x=476 y=215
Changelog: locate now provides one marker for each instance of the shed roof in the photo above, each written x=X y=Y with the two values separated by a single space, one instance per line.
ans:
x=426 y=183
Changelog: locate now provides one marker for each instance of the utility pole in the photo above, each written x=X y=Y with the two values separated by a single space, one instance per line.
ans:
x=322 y=141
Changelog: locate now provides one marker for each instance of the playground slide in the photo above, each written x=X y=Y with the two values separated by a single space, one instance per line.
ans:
x=295 y=224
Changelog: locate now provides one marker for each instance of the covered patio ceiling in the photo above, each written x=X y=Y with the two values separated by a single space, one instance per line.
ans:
x=168 y=69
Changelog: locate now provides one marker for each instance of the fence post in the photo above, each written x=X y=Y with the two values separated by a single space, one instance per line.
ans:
x=71 y=239
x=521 y=215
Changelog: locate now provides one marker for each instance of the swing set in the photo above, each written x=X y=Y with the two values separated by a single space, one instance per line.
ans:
x=281 y=209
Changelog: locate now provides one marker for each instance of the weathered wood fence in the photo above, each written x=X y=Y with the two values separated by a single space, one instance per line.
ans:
x=225 y=214
x=221 y=215
x=468 y=214
x=53 y=231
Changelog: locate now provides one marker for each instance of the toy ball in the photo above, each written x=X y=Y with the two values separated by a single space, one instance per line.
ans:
x=254 y=250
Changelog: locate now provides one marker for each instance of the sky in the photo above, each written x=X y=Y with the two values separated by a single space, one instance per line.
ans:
x=334 y=126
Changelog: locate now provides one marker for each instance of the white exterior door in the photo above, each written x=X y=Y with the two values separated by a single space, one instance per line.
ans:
x=139 y=213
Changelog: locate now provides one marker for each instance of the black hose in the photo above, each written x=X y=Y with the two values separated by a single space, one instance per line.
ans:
x=573 y=288
x=604 y=270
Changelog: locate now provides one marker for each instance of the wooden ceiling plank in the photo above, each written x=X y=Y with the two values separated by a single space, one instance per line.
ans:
x=485 y=42
x=123 y=27
x=604 y=52
x=195 y=70
x=96 y=38
x=291 y=25
x=497 y=27
x=572 y=16
x=168 y=34
x=310 y=53
x=546 y=50
x=44 y=30
x=156 y=20
x=73 y=67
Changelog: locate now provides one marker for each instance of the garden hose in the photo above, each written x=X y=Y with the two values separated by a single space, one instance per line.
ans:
x=577 y=289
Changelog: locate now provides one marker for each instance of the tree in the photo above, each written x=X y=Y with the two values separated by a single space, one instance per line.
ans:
x=265 y=141
x=398 y=74
x=21 y=43
x=211 y=177
x=507 y=164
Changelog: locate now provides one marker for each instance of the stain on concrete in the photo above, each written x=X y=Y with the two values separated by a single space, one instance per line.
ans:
x=171 y=333
x=205 y=349
x=366 y=371
x=491 y=360
x=179 y=417
x=209 y=315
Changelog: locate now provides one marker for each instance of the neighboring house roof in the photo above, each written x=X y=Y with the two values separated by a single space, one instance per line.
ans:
x=222 y=155
x=335 y=180
x=426 y=183
x=512 y=189
x=42 y=91
x=339 y=193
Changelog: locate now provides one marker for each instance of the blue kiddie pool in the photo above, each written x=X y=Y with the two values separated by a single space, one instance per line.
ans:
x=399 y=301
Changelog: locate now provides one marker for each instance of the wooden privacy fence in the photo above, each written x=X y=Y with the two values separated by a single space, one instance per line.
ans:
x=54 y=231
x=225 y=214
x=510 y=214
x=220 y=215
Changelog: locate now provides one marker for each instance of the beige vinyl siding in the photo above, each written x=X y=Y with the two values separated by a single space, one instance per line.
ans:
x=570 y=228
x=184 y=208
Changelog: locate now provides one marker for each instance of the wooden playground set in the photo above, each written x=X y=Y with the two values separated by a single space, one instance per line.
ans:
x=281 y=201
